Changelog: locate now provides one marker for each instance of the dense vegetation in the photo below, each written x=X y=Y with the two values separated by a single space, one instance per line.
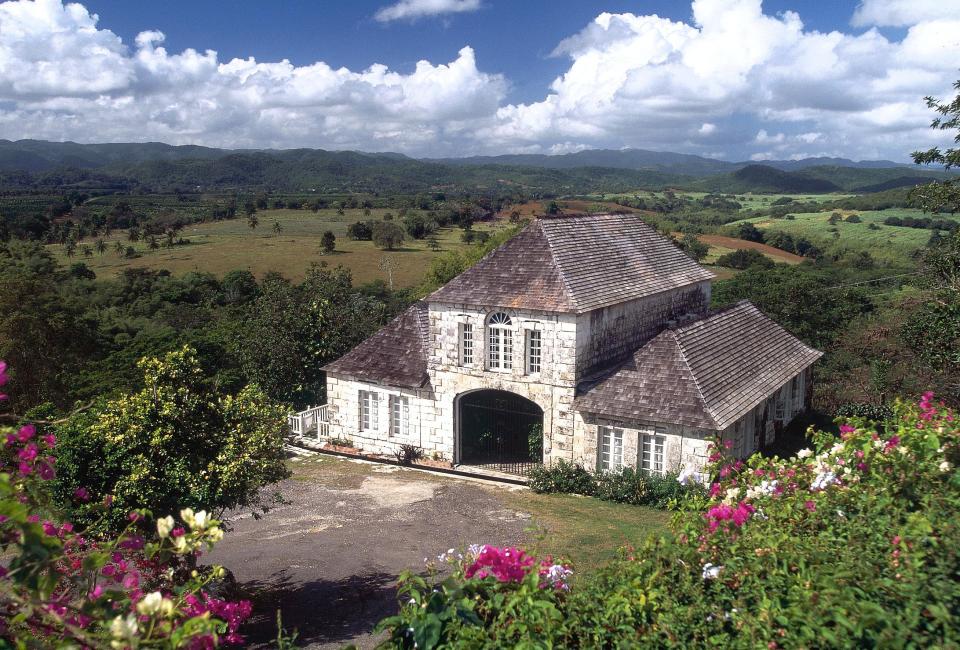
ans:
x=851 y=544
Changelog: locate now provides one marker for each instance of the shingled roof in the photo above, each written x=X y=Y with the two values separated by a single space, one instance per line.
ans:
x=575 y=264
x=394 y=356
x=707 y=374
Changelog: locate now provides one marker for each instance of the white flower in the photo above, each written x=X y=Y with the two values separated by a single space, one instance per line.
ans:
x=180 y=544
x=823 y=480
x=837 y=448
x=200 y=520
x=732 y=495
x=214 y=534
x=686 y=476
x=124 y=628
x=945 y=466
x=558 y=576
x=155 y=603
x=804 y=453
x=164 y=526
x=711 y=571
x=187 y=515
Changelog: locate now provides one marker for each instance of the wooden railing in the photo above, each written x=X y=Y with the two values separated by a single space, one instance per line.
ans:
x=312 y=422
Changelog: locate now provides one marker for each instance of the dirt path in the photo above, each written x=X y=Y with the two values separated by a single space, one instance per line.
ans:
x=330 y=558
x=734 y=243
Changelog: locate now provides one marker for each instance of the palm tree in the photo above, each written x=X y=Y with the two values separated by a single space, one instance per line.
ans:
x=277 y=228
x=87 y=251
x=118 y=247
x=71 y=247
x=152 y=243
x=253 y=222
x=101 y=246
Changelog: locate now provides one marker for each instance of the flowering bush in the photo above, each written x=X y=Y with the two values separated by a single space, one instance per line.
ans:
x=60 y=586
x=488 y=586
x=852 y=543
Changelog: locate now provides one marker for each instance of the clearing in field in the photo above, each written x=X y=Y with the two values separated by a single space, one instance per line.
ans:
x=223 y=246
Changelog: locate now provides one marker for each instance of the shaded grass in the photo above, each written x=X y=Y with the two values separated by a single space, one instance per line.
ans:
x=586 y=531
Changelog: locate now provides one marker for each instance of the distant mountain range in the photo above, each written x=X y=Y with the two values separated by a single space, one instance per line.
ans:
x=163 y=167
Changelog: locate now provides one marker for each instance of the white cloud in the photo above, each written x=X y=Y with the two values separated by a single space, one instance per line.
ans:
x=733 y=79
x=903 y=13
x=413 y=9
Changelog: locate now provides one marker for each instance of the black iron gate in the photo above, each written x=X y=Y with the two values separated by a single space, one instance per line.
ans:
x=501 y=431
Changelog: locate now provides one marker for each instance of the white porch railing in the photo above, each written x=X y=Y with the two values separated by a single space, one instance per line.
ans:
x=313 y=420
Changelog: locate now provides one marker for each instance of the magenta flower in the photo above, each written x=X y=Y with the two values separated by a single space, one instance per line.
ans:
x=28 y=453
x=846 y=428
x=893 y=442
x=26 y=432
x=50 y=440
x=81 y=494
x=810 y=506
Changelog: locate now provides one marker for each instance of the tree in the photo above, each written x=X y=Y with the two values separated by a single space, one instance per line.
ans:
x=70 y=247
x=749 y=232
x=941 y=196
x=101 y=246
x=328 y=242
x=745 y=258
x=433 y=243
x=277 y=228
x=152 y=243
x=176 y=443
x=119 y=248
x=253 y=222
x=86 y=250
x=693 y=247
x=387 y=235
x=361 y=230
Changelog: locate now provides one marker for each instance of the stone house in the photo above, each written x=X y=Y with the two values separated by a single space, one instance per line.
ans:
x=584 y=338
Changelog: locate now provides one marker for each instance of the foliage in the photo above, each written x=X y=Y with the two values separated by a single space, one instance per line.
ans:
x=328 y=242
x=361 y=230
x=624 y=485
x=693 y=247
x=941 y=196
x=855 y=543
x=535 y=442
x=175 y=443
x=408 y=454
x=61 y=586
x=387 y=235
x=745 y=258
x=865 y=411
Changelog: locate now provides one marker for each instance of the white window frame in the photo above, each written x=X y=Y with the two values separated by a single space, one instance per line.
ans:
x=369 y=410
x=534 y=352
x=650 y=451
x=499 y=342
x=399 y=416
x=466 y=344
x=610 y=457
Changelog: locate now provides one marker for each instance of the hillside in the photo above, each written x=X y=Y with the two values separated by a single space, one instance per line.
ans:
x=820 y=179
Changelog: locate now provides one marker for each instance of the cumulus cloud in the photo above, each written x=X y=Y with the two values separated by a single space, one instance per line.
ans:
x=903 y=13
x=413 y=9
x=733 y=79
x=649 y=81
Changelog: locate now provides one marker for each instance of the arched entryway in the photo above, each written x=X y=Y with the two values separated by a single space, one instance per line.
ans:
x=499 y=430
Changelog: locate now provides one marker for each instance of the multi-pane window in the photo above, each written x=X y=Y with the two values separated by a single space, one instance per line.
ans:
x=499 y=342
x=466 y=344
x=399 y=415
x=369 y=408
x=611 y=448
x=651 y=452
x=534 y=351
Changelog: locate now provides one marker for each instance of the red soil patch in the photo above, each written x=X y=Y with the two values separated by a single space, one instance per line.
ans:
x=735 y=244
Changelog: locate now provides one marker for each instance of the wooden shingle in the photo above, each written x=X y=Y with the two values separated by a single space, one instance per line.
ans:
x=705 y=374
x=573 y=265
x=395 y=356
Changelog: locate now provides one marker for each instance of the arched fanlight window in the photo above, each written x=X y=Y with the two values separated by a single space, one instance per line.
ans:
x=499 y=342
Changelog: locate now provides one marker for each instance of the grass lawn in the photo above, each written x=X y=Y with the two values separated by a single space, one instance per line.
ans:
x=584 y=530
x=892 y=243
x=223 y=246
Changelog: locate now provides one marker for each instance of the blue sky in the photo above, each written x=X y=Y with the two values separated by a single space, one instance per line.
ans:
x=731 y=79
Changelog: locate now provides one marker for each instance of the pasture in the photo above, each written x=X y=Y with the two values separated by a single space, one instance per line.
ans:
x=222 y=246
x=890 y=243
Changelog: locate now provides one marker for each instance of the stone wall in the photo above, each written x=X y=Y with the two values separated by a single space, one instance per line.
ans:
x=552 y=389
x=610 y=334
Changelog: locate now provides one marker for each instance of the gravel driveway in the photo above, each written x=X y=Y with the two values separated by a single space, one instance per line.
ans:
x=329 y=558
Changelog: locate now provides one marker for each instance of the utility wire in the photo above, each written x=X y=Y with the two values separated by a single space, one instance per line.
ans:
x=888 y=277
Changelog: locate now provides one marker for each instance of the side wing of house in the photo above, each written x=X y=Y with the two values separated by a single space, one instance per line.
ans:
x=735 y=374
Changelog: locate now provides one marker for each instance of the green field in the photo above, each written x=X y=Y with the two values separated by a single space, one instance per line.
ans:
x=892 y=243
x=749 y=201
x=223 y=246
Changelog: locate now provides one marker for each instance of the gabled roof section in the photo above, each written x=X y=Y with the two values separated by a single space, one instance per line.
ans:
x=707 y=374
x=575 y=264
x=395 y=356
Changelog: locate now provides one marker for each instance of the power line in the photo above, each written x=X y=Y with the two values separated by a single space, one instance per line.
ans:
x=888 y=277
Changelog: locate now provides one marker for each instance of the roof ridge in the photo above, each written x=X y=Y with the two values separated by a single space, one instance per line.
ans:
x=693 y=375
x=556 y=263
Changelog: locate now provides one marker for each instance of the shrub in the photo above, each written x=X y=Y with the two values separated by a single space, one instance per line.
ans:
x=853 y=218
x=562 y=476
x=855 y=543
x=360 y=231
x=387 y=235
x=408 y=454
x=745 y=258
x=871 y=412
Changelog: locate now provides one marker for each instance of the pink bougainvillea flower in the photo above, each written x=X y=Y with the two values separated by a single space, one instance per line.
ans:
x=50 y=440
x=81 y=494
x=26 y=432
x=810 y=506
x=846 y=428
x=893 y=442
